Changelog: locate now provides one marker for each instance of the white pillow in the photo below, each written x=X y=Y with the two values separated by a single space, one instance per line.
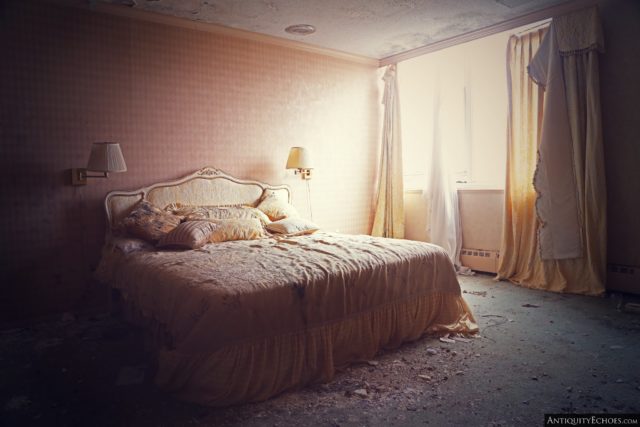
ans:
x=292 y=226
x=276 y=208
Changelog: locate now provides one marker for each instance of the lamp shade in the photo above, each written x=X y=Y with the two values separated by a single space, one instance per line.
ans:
x=106 y=157
x=299 y=158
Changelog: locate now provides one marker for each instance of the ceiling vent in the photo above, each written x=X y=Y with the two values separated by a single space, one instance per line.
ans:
x=300 y=29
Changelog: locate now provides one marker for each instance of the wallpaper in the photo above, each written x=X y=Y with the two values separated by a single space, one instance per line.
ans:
x=176 y=100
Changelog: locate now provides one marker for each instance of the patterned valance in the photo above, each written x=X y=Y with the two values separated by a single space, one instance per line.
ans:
x=579 y=32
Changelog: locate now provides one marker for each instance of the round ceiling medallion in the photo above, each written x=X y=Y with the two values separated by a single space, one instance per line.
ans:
x=300 y=29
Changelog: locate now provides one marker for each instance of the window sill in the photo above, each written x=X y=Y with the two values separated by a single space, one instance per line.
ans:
x=472 y=186
x=463 y=187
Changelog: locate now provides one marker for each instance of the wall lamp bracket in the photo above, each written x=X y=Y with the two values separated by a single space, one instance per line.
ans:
x=304 y=173
x=79 y=176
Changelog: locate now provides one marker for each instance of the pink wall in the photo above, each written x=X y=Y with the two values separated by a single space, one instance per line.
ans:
x=176 y=100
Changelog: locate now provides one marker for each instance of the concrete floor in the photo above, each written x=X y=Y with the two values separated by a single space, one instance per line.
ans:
x=538 y=353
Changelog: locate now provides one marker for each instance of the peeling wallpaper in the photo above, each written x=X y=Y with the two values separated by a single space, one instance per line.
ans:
x=176 y=100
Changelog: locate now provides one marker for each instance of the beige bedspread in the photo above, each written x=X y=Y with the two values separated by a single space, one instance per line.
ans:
x=244 y=320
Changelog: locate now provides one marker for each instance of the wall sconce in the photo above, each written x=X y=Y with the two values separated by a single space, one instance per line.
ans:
x=105 y=157
x=300 y=160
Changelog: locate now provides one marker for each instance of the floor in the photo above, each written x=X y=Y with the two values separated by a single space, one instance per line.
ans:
x=537 y=353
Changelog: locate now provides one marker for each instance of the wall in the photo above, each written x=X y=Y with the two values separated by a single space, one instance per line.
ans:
x=176 y=99
x=620 y=91
x=481 y=216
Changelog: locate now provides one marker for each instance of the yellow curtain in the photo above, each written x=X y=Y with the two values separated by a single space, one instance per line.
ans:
x=389 y=215
x=520 y=260
x=519 y=257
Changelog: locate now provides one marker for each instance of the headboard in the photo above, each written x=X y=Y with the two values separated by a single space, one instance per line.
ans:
x=205 y=187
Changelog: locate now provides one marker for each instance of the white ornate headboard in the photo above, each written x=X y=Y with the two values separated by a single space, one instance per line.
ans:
x=205 y=187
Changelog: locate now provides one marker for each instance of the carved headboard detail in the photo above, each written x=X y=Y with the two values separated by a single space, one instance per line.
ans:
x=205 y=187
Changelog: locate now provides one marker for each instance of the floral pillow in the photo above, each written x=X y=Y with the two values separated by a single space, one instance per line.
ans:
x=276 y=208
x=149 y=223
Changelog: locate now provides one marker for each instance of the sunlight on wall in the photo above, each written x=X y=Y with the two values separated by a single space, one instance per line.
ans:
x=467 y=83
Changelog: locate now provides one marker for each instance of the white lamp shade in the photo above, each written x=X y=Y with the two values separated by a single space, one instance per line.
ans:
x=106 y=157
x=299 y=158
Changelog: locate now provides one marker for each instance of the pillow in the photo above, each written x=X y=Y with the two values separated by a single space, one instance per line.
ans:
x=148 y=222
x=275 y=207
x=293 y=227
x=236 y=229
x=191 y=213
x=189 y=235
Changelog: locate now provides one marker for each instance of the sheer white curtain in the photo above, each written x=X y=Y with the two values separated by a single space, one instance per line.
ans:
x=440 y=189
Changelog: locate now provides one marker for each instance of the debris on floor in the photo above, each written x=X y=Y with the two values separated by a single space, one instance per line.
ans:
x=79 y=371
x=478 y=293
x=632 y=307
x=130 y=375
x=17 y=403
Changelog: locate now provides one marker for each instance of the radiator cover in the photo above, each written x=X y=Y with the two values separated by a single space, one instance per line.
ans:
x=480 y=259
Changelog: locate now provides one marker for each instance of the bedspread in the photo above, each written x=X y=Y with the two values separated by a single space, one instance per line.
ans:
x=301 y=305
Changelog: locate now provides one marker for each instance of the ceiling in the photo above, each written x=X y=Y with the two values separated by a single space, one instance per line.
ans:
x=372 y=28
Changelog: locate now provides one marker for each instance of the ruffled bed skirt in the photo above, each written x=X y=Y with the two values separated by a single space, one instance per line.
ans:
x=257 y=369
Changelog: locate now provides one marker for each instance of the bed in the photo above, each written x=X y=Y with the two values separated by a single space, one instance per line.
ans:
x=242 y=321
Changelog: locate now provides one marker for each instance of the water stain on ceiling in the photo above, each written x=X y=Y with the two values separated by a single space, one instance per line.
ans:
x=372 y=28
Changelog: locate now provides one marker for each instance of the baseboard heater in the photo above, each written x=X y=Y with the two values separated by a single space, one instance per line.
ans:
x=480 y=259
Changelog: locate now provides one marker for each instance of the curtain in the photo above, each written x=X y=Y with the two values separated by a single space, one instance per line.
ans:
x=519 y=258
x=445 y=229
x=575 y=40
x=389 y=214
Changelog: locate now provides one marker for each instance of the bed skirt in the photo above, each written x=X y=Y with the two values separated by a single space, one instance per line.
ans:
x=257 y=369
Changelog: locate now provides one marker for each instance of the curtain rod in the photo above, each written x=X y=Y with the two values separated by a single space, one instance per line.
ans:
x=510 y=24
x=545 y=23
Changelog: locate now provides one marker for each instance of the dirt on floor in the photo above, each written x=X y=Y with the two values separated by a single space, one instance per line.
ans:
x=537 y=353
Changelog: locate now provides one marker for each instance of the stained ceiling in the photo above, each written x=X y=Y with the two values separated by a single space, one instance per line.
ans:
x=372 y=28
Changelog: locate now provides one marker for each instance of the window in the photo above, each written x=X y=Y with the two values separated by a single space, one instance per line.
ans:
x=464 y=89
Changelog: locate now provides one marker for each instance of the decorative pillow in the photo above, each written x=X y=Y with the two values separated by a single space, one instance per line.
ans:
x=190 y=235
x=236 y=229
x=191 y=213
x=148 y=222
x=293 y=227
x=275 y=207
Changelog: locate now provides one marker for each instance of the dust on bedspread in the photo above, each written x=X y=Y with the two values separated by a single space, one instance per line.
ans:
x=237 y=291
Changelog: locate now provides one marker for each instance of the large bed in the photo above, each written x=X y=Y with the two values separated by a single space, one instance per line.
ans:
x=244 y=320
